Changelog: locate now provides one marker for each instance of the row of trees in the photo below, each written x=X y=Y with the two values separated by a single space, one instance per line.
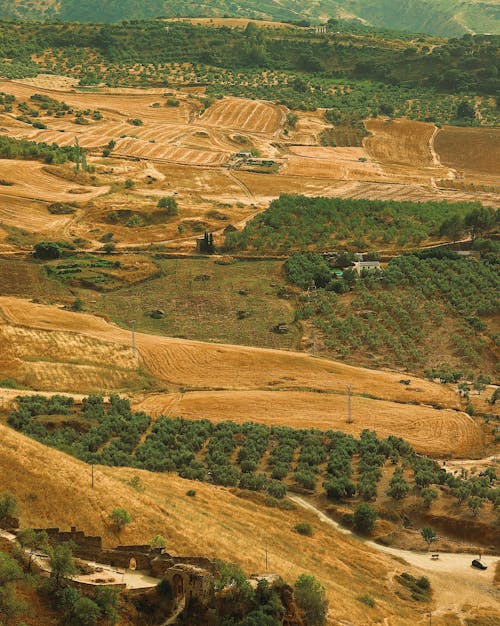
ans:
x=235 y=452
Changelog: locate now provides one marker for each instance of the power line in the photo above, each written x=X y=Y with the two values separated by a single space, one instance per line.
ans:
x=349 y=416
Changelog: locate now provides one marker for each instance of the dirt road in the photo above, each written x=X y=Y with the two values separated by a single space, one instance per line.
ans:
x=454 y=582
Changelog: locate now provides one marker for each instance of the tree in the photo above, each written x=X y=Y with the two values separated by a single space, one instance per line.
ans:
x=428 y=496
x=465 y=110
x=480 y=221
x=481 y=382
x=495 y=396
x=475 y=503
x=170 y=205
x=311 y=599
x=9 y=573
x=85 y=612
x=452 y=228
x=108 y=600
x=62 y=564
x=47 y=250
x=464 y=390
x=8 y=507
x=120 y=518
x=398 y=487
x=428 y=535
x=364 y=518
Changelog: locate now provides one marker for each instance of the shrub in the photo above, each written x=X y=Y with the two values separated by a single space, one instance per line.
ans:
x=158 y=542
x=191 y=493
x=8 y=506
x=367 y=599
x=120 y=518
x=304 y=529
x=47 y=250
x=364 y=518
x=311 y=598
x=169 y=204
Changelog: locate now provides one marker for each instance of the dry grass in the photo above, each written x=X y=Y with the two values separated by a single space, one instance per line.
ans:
x=245 y=371
x=427 y=429
x=473 y=152
x=215 y=523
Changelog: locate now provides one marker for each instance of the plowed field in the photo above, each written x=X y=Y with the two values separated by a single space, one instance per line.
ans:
x=473 y=151
x=248 y=115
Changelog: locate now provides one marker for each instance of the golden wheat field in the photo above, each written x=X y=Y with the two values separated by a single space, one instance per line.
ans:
x=83 y=353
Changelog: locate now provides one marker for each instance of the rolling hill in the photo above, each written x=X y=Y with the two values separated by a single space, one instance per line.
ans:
x=439 y=17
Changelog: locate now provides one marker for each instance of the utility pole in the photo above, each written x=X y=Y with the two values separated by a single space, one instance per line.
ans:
x=132 y=322
x=349 y=416
x=92 y=471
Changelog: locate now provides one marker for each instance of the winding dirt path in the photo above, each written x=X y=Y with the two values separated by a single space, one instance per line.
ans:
x=454 y=582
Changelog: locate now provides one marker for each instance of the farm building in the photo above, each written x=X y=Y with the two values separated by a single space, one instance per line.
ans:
x=367 y=266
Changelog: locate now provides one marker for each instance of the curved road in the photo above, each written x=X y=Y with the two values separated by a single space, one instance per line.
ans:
x=454 y=582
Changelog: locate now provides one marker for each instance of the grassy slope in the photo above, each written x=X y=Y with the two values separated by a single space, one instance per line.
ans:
x=443 y=17
x=215 y=523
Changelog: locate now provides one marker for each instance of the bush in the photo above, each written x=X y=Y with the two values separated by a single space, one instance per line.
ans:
x=120 y=518
x=367 y=599
x=169 y=204
x=85 y=612
x=191 y=493
x=158 y=541
x=311 y=598
x=8 y=506
x=47 y=250
x=364 y=518
x=304 y=529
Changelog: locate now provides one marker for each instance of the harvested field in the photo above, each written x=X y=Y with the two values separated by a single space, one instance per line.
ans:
x=30 y=216
x=427 y=430
x=332 y=163
x=401 y=141
x=474 y=152
x=247 y=115
x=62 y=360
x=229 y=22
x=308 y=128
x=198 y=364
x=173 y=154
x=31 y=180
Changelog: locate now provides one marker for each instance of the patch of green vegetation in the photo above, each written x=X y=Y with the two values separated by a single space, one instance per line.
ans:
x=400 y=314
x=353 y=72
x=251 y=456
x=323 y=224
x=419 y=588
x=207 y=309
